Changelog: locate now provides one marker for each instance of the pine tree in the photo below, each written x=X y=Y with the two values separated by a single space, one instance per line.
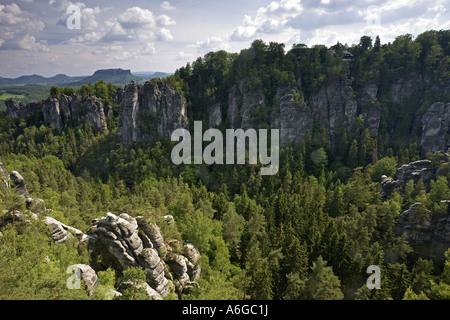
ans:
x=259 y=274
x=352 y=160
x=323 y=284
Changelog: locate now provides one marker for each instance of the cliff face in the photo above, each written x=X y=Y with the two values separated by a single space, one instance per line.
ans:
x=435 y=128
x=291 y=116
x=419 y=117
x=150 y=110
x=334 y=108
x=58 y=112
x=417 y=111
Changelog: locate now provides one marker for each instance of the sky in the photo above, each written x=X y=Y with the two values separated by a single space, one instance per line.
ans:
x=49 y=37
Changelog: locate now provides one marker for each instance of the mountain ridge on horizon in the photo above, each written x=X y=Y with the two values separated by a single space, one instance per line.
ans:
x=113 y=75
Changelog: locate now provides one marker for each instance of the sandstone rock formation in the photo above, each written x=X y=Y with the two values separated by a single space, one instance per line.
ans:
x=151 y=293
x=123 y=241
x=435 y=128
x=88 y=275
x=417 y=232
x=19 y=183
x=369 y=107
x=334 y=108
x=58 y=112
x=4 y=176
x=418 y=170
x=422 y=228
x=291 y=116
x=60 y=232
x=150 y=110
x=18 y=109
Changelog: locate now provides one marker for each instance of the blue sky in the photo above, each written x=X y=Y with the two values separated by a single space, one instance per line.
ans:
x=164 y=35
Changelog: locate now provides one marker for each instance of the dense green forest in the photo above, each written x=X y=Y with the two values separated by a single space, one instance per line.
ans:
x=309 y=232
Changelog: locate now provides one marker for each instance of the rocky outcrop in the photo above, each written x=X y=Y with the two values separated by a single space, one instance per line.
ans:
x=435 y=128
x=389 y=186
x=150 y=110
x=291 y=116
x=58 y=112
x=243 y=105
x=120 y=242
x=418 y=170
x=151 y=293
x=18 y=109
x=214 y=112
x=420 y=227
x=4 y=176
x=88 y=275
x=369 y=107
x=416 y=226
x=19 y=183
x=334 y=108
x=124 y=242
x=60 y=232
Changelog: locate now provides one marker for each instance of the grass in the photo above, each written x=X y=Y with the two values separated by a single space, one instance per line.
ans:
x=6 y=96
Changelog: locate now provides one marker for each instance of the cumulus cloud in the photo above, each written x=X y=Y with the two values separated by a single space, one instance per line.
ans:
x=133 y=25
x=183 y=56
x=88 y=15
x=167 y=6
x=212 y=44
x=19 y=29
x=270 y=19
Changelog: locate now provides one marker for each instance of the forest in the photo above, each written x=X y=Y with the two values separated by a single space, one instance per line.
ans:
x=307 y=233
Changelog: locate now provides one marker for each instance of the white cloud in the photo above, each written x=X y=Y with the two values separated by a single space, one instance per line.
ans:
x=164 y=20
x=88 y=15
x=212 y=44
x=133 y=25
x=270 y=19
x=136 y=17
x=167 y=6
x=183 y=56
x=28 y=42
x=19 y=29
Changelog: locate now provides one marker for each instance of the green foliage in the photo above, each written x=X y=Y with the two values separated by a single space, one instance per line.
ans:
x=308 y=232
x=323 y=283
x=386 y=166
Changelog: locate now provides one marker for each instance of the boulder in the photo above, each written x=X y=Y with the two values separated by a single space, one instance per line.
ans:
x=151 y=293
x=19 y=183
x=89 y=277
x=61 y=233
x=4 y=175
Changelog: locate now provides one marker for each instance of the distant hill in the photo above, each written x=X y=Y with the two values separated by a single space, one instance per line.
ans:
x=150 y=75
x=35 y=79
x=115 y=76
